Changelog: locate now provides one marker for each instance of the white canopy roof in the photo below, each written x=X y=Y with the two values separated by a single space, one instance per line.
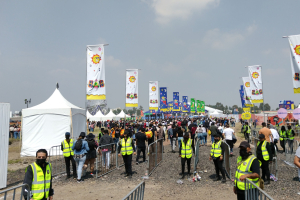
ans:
x=122 y=114
x=97 y=117
x=110 y=114
x=55 y=104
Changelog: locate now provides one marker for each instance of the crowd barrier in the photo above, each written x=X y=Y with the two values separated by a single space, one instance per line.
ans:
x=57 y=160
x=290 y=151
x=196 y=159
x=137 y=193
x=226 y=162
x=155 y=155
x=253 y=192
x=255 y=141
x=6 y=194
x=273 y=165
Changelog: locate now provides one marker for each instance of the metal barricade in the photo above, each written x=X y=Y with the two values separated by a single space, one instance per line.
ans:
x=6 y=194
x=155 y=155
x=226 y=162
x=274 y=166
x=137 y=193
x=57 y=160
x=255 y=141
x=196 y=159
x=107 y=159
x=290 y=151
x=253 y=192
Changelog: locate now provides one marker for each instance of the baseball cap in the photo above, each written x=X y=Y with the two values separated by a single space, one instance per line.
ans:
x=244 y=144
x=67 y=133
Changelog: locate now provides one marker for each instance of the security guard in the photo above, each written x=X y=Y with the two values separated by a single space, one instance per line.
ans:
x=100 y=133
x=264 y=155
x=282 y=135
x=185 y=152
x=290 y=137
x=216 y=154
x=66 y=147
x=38 y=176
x=247 y=167
x=247 y=131
x=126 y=148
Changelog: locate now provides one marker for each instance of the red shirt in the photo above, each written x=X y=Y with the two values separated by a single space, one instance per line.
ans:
x=179 y=123
x=193 y=130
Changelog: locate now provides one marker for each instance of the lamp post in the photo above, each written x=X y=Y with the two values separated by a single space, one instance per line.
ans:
x=27 y=102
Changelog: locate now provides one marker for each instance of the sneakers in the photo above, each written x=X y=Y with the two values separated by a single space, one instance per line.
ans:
x=267 y=182
x=137 y=163
x=223 y=180
x=182 y=177
x=217 y=179
x=91 y=174
x=79 y=181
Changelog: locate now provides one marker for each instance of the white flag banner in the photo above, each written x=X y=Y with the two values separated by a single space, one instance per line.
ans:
x=153 y=95
x=95 y=88
x=247 y=91
x=256 y=84
x=294 y=41
x=131 y=87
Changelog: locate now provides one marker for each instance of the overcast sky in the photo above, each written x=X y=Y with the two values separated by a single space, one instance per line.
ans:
x=198 y=48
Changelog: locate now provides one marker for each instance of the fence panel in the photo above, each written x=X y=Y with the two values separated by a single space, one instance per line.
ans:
x=255 y=141
x=137 y=193
x=155 y=155
x=253 y=192
x=119 y=160
x=226 y=162
x=290 y=151
x=15 y=192
x=57 y=160
x=274 y=165
x=160 y=150
x=107 y=159
x=196 y=160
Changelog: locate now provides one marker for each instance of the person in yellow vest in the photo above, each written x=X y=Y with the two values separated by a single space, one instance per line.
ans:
x=264 y=155
x=282 y=136
x=290 y=134
x=126 y=149
x=185 y=152
x=66 y=147
x=216 y=154
x=247 y=167
x=39 y=178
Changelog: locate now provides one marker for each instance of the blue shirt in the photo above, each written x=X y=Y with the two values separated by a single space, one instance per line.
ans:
x=84 y=148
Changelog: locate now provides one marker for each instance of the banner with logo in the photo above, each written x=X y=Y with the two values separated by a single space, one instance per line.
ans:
x=131 y=87
x=255 y=84
x=176 y=100
x=163 y=99
x=202 y=106
x=247 y=91
x=185 y=107
x=198 y=106
x=95 y=79
x=193 y=108
x=153 y=95
x=294 y=41
x=242 y=96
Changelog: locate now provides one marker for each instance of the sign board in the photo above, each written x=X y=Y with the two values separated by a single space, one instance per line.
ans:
x=296 y=113
x=282 y=113
x=246 y=116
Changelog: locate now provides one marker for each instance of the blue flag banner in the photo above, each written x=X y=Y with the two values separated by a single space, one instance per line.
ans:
x=163 y=99
x=185 y=107
x=242 y=96
x=176 y=101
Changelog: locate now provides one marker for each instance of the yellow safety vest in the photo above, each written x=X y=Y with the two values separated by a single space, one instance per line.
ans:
x=243 y=169
x=216 y=149
x=186 y=149
x=290 y=135
x=41 y=182
x=67 y=149
x=126 y=147
x=248 y=129
x=282 y=135
x=264 y=150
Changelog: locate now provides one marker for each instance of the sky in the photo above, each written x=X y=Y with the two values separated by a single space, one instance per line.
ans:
x=198 y=48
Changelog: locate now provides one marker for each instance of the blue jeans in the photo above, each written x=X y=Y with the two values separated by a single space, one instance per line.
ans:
x=79 y=162
x=179 y=141
x=200 y=137
x=212 y=139
x=116 y=140
x=204 y=135
x=16 y=135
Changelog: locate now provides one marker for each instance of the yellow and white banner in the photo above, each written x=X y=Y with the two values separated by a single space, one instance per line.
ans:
x=255 y=84
x=153 y=95
x=247 y=91
x=294 y=41
x=95 y=86
x=131 y=87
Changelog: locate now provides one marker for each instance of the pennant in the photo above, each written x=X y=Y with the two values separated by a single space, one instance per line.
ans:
x=192 y=107
x=176 y=101
x=202 y=106
x=295 y=59
x=185 y=107
x=247 y=91
x=153 y=95
x=163 y=99
x=131 y=87
x=255 y=84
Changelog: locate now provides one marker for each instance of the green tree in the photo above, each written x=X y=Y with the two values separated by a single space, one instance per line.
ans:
x=240 y=110
x=117 y=111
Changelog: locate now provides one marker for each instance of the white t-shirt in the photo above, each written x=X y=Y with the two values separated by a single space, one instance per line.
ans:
x=274 y=133
x=228 y=132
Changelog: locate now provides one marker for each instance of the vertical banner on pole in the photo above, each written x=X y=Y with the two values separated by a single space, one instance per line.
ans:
x=248 y=88
x=242 y=96
x=256 y=84
x=163 y=99
x=184 y=104
x=294 y=41
x=202 y=106
x=153 y=95
x=95 y=77
x=192 y=105
x=176 y=101
x=198 y=106
x=131 y=87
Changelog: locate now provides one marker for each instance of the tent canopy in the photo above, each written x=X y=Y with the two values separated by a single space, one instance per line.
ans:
x=45 y=125
x=97 y=117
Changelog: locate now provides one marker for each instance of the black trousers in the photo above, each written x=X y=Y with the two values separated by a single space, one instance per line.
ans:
x=265 y=172
x=188 y=160
x=67 y=161
x=275 y=144
x=127 y=161
x=139 y=150
x=193 y=143
x=219 y=167
x=282 y=143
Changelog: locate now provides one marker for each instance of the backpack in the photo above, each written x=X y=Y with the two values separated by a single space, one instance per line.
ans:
x=78 y=145
x=91 y=144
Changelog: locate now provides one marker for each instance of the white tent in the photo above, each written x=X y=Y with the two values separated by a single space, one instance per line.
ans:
x=109 y=116
x=45 y=125
x=122 y=115
x=97 y=117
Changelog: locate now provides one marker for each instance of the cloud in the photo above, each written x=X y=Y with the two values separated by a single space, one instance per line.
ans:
x=112 y=62
x=167 y=10
x=221 y=40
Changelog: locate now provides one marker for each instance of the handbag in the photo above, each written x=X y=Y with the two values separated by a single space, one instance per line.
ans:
x=209 y=132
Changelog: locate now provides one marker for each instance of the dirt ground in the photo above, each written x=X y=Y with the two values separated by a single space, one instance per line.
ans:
x=162 y=183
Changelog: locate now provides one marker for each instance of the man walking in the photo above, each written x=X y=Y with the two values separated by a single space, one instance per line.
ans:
x=141 y=144
x=66 y=147
x=214 y=131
